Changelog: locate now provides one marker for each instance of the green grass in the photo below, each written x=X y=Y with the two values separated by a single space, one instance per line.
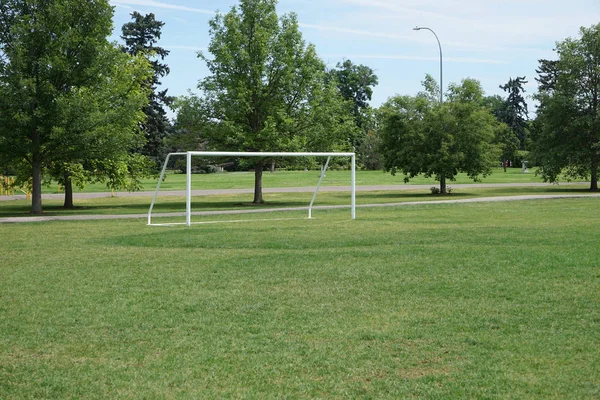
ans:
x=487 y=300
x=239 y=180
x=140 y=205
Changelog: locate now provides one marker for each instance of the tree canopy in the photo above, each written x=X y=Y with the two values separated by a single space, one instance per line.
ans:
x=355 y=83
x=99 y=126
x=567 y=137
x=422 y=136
x=267 y=89
x=506 y=139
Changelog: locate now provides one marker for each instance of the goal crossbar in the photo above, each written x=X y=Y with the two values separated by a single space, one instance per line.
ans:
x=188 y=185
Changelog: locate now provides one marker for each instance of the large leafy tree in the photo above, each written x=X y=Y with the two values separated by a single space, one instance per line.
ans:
x=99 y=126
x=568 y=123
x=267 y=89
x=355 y=83
x=515 y=113
x=47 y=51
x=141 y=36
x=422 y=136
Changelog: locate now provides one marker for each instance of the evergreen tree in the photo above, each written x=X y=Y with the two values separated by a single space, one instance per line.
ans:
x=141 y=36
x=515 y=113
x=548 y=75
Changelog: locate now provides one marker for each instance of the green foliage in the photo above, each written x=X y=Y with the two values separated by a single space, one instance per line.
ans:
x=431 y=89
x=507 y=142
x=506 y=139
x=140 y=37
x=421 y=136
x=567 y=134
x=514 y=113
x=69 y=99
x=355 y=83
x=369 y=152
x=48 y=50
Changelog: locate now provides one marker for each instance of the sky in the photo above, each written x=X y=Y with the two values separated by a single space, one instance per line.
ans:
x=489 y=40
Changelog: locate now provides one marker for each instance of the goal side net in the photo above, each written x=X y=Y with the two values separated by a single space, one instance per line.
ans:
x=188 y=191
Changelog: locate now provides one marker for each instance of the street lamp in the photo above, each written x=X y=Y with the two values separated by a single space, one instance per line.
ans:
x=418 y=28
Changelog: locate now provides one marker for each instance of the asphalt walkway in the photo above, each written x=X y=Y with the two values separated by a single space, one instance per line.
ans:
x=43 y=218
x=211 y=192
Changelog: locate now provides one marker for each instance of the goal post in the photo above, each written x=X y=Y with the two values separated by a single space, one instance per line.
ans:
x=188 y=191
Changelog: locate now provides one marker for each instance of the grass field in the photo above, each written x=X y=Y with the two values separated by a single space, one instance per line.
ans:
x=238 y=180
x=487 y=300
x=140 y=205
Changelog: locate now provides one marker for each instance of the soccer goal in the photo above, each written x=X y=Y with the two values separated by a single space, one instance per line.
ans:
x=190 y=154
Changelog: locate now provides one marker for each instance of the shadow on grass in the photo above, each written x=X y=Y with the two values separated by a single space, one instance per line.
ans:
x=23 y=210
x=411 y=196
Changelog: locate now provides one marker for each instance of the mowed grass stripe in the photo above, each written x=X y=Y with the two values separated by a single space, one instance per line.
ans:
x=433 y=301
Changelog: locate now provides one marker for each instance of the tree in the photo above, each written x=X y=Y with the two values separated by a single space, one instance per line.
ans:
x=47 y=51
x=267 y=90
x=547 y=75
x=515 y=113
x=369 y=152
x=506 y=139
x=140 y=37
x=99 y=124
x=355 y=83
x=422 y=136
x=188 y=125
x=567 y=137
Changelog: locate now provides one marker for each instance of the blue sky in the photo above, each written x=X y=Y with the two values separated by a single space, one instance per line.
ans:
x=490 y=41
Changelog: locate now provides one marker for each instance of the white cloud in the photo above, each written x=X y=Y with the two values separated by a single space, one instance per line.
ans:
x=179 y=47
x=419 y=38
x=124 y=6
x=158 y=4
x=475 y=24
x=354 y=31
x=417 y=58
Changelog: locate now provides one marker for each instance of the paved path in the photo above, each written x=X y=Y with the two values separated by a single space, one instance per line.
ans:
x=263 y=210
x=211 y=192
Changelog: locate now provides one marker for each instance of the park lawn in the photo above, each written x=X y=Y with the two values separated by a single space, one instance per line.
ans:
x=245 y=180
x=168 y=204
x=481 y=300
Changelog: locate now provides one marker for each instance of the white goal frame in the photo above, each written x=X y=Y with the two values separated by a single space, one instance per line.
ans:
x=189 y=154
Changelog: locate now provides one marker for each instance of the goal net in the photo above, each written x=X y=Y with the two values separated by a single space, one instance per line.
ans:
x=239 y=154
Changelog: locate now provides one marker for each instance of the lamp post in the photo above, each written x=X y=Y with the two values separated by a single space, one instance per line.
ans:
x=418 y=28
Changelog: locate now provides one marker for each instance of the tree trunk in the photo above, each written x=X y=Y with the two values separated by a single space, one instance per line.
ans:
x=258 y=170
x=36 y=173
x=36 y=186
x=272 y=166
x=594 y=173
x=68 y=192
x=443 y=184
